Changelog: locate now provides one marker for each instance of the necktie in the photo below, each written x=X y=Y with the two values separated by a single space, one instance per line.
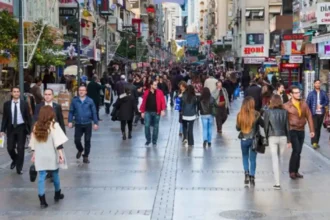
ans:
x=15 y=115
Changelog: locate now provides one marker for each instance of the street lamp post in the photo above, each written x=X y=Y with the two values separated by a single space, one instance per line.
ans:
x=78 y=43
x=21 y=48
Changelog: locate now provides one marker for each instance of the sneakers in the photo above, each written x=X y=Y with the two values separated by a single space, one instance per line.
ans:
x=79 y=154
x=147 y=144
x=316 y=146
x=86 y=160
x=184 y=141
x=277 y=187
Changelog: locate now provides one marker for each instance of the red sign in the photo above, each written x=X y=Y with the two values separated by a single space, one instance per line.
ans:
x=293 y=37
x=209 y=41
x=253 y=50
x=7 y=7
x=290 y=65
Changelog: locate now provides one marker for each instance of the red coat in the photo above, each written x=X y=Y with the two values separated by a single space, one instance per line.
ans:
x=160 y=101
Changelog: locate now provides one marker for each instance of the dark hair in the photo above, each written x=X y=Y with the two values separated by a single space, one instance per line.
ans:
x=82 y=86
x=152 y=82
x=190 y=93
x=292 y=88
x=48 y=89
x=183 y=83
x=14 y=87
x=317 y=80
x=278 y=85
x=130 y=80
x=275 y=102
x=206 y=95
x=95 y=77
x=38 y=79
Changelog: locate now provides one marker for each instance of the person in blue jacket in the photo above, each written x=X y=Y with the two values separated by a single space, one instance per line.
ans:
x=83 y=113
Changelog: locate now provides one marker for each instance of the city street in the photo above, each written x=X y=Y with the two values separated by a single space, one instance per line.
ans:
x=127 y=181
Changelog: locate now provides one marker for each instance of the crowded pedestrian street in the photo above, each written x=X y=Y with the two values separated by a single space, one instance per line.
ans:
x=128 y=181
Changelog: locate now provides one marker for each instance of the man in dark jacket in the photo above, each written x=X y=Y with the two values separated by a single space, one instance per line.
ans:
x=120 y=85
x=93 y=92
x=130 y=87
x=255 y=92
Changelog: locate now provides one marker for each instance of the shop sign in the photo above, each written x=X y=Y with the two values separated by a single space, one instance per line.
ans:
x=67 y=12
x=105 y=8
x=290 y=65
x=296 y=59
x=253 y=51
x=308 y=16
x=292 y=44
x=324 y=50
x=254 y=60
x=310 y=48
x=293 y=36
x=323 y=13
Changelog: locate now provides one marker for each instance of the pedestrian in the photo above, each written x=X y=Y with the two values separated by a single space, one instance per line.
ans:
x=211 y=82
x=247 y=123
x=152 y=107
x=126 y=107
x=108 y=99
x=206 y=105
x=280 y=90
x=16 y=125
x=138 y=112
x=277 y=132
x=169 y=86
x=317 y=102
x=83 y=112
x=36 y=91
x=182 y=88
x=93 y=91
x=189 y=111
x=120 y=85
x=222 y=101
x=46 y=142
x=298 y=114
x=163 y=86
x=245 y=80
x=47 y=78
x=254 y=91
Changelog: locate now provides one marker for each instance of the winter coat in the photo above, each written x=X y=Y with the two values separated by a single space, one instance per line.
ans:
x=126 y=107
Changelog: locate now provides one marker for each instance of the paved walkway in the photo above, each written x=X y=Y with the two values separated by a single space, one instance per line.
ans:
x=128 y=181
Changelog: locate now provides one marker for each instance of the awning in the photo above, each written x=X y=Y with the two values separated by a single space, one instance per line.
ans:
x=321 y=38
x=275 y=9
x=309 y=33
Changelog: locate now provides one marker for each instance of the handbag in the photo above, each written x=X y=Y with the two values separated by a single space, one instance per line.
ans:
x=33 y=173
x=326 y=122
x=259 y=143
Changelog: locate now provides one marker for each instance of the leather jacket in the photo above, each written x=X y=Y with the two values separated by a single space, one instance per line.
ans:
x=276 y=123
x=255 y=128
x=206 y=108
x=297 y=122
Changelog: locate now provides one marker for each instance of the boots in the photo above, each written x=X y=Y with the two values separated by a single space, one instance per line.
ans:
x=129 y=134
x=58 y=196
x=247 y=178
x=43 y=203
x=252 y=183
x=124 y=135
x=86 y=160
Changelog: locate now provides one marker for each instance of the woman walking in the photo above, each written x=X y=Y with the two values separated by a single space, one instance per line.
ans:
x=206 y=105
x=182 y=88
x=277 y=133
x=46 y=143
x=189 y=109
x=126 y=106
x=248 y=121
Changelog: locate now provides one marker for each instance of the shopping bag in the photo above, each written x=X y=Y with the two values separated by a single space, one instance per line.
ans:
x=177 y=104
x=2 y=141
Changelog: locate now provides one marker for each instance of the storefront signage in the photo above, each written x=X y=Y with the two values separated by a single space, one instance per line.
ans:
x=323 y=13
x=254 y=60
x=290 y=65
x=253 y=51
x=67 y=12
x=105 y=8
x=296 y=59
x=324 y=50
x=293 y=37
x=292 y=44
x=310 y=48
x=254 y=39
x=308 y=16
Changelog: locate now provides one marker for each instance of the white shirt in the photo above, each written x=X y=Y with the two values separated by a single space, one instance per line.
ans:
x=19 y=113
x=49 y=104
x=318 y=111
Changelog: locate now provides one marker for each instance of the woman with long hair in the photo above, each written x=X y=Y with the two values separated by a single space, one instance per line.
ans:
x=247 y=123
x=189 y=110
x=46 y=143
x=206 y=105
x=277 y=133
x=182 y=88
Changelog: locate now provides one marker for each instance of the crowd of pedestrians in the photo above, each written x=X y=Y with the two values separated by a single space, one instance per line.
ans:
x=145 y=96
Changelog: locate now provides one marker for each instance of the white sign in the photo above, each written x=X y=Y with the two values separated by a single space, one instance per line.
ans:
x=308 y=16
x=254 y=60
x=323 y=13
x=296 y=59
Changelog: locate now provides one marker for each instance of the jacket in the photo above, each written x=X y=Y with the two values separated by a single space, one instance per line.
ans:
x=160 y=101
x=255 y=127
x=93 y=91
x=7 y=117
x=284 y=96
x=133 y=90
x=296 y=122
x=211 y=83
x=205 y=108
x=216 y=96
x=120 y=87
x=255 y=92
x=126 y=107
x=276 y=123
x=36 y=92
x=312 y=101
x=82 y=112
x=189 y=108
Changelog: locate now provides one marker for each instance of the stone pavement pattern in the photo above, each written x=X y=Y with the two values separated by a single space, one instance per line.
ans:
x=127 y=181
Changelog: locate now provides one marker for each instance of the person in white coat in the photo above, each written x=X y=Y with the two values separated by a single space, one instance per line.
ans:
x=46 y=142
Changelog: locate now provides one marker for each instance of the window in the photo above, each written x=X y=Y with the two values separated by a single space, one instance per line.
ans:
x=254 y=14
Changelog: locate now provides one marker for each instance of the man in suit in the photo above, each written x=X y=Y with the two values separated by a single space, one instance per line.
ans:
x=93 y=92
x=16 y=124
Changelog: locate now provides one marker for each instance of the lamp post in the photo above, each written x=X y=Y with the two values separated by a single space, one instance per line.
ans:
x=78 y=43
x=21 y=48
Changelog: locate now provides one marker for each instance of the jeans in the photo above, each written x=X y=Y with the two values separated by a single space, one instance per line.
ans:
x=318 y=121
x=181 y=128
x=188 y=131
x=249 y=157
x=151 y=118
x=138 y=117
x=123 y=125
x=107 y=108
x=80 y=130
x=277 y=145
x=207 y=121
x=297 y=141
x=221 y=117
x=42 y=179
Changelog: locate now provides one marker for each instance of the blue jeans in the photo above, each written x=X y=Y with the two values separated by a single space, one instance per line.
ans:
x=181 y=128
x=207 y=121
x=249 y=156
x=42 y=178
x=151 y=118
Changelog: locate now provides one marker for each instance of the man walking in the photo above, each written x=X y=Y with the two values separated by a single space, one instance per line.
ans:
x=36 y=91
x=94 y=92
x=152 y=107
x=16 y=123
x=298 y=114
x=317 y=102
x=83 y=112
x=211 y=83
x=255 y=92
x=221 y=98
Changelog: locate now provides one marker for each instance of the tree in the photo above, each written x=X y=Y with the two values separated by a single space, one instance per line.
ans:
x=132 y=48
x=8 y=35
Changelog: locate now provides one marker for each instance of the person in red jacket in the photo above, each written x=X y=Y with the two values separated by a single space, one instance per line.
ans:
x=153 y=106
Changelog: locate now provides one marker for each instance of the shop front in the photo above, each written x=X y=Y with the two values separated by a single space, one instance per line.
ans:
x=253 y=58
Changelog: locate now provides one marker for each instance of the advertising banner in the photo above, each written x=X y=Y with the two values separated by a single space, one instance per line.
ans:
x=254 y=51
x=292 y=44
x=323 y=13
x=254 y=39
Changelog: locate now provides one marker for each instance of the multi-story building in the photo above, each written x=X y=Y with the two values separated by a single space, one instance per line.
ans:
x=172 y=18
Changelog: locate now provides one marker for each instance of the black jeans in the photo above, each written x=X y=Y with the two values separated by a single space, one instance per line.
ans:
x=188 y=131
x=16 y=142
x=107 y=108
x=297 y=141
x=97 y=106
x=317 y=121
x=138 y=117
x=221 y=117
x=123 y=125
x=80 y=130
